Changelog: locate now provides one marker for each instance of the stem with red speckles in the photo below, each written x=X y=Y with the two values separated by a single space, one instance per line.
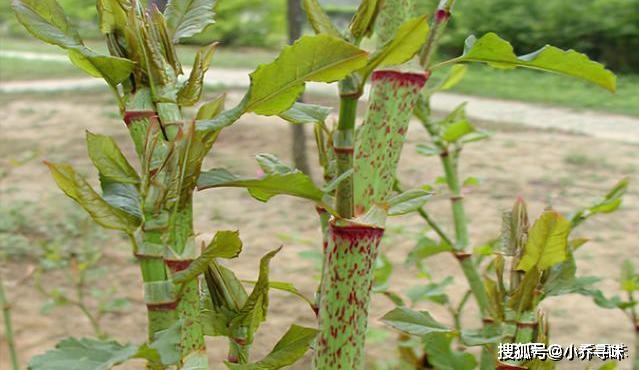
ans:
x=440 y=19
x=348 y=278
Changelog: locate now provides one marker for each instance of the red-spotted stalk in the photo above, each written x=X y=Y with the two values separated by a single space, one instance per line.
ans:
x=350 y=258
x=353 y=246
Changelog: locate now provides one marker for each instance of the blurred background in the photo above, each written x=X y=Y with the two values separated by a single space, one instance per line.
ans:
x=559 y=142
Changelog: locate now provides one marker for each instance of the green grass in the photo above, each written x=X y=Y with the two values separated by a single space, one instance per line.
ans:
x=547 y=88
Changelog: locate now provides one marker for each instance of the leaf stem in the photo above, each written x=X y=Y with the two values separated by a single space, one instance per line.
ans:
x=8 y=328
x=440 y=19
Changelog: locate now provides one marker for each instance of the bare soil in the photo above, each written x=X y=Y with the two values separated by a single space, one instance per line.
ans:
x=553 y=168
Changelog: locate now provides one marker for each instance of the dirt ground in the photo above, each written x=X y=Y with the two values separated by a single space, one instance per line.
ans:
x=545 y=167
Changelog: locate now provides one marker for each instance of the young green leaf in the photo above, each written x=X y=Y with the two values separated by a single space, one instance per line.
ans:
x=433 y=292
x=498 y=53
x=364 y=18
x=109 y=160
x=225 y=244
x=319 y=21
x=441 y=355
x=112 y=69
x=290 y=348
x=629 y=278
x=322 y=58
x=253 y=312
x=85 y=354
x=456 y=74
x=186 y=18
x=294 y=183
x=407 y=41
x=79 y=190
x=287 y=287
x=419 y=323
x=547 y=242
x=111 y=15
x=408 y=201
x=457 y=130
x=211 y=109
x=611 y=201
x=427 y=247
x=191 y=92
x=306 y=113
x=45 y=19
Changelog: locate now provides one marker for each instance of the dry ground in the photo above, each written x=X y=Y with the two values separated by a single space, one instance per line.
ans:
x=544 y=167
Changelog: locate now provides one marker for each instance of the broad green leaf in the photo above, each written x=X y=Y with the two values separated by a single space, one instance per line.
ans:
x=83 y=354
x=290 y=348
x=457 y=130
x=191 y=92
x=419 y=323
x=479 y=337
x=294 y=183
x=167 y=344
x=441 y=355
x=521 y=299
x=562 y=279
x=493 y=50
x=408 y=40
x=364 y=18
x=306 y=113
x=109 y=160
x=319 y=21
x=211 y=109
x=79 y=190
x=547 y=242
x=427 y=247
x=254 y=310
x=407 y=202
x=226 y=296
x=322 y=58
x=113 y=69
x=122 y=196
x=45 y=19
x=433 y=292
x=189 y=17
x=382 y=271
x=271 y=165
x=225 y=244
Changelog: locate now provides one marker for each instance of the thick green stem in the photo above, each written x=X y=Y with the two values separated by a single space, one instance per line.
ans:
x=8 y=328
x=350 y=257
x=344 y=148
x=239 y=347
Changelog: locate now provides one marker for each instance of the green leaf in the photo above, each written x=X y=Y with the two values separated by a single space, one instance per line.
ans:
x=226 y=297
x=382 y=272
x=562 y=279
x=286 y=287
x=428 y=149
x=547 y=242
x=191 y=92
x=122 y=196
x=293 y=183
x=364 y=18
x=611 y=201
x=211 y=109
x=167 y=344
x=322 y=58
x=111 y=15
x=187 y=18
x=629 y=278
x=290 y=348
x=472 y=338
x=442 y=357
x=433 y=292
x=457 y=130
x=254 y=310
x=45 y=19
x=408 y=40
x=83 y=354
x=79 y=190
x=109 y=160
x=427 y=247
x=112 y=69
x=407 y=202
x=419 y=323
x=456 y=74
x=225 y=244
x=301 y=113
x=319 y=21
x=493 y=50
